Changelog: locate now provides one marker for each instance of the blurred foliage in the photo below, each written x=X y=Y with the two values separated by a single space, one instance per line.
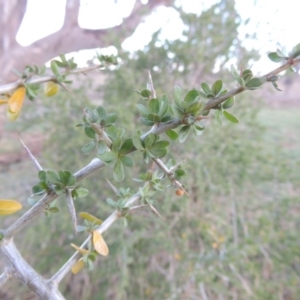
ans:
x=235 y=238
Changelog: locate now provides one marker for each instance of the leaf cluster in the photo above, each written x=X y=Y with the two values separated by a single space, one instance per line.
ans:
x=157 y=110
x=151 y=146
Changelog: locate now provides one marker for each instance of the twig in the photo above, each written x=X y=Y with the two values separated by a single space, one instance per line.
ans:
x=13 y=259
x=170 y=174
x=36 y=163
x=218 y=100
x=102 y=134
x=242 y=280
x=61 y=273
x=72 y=210
x=40 y=206
x=4 y=277
x=114 y=189
x=12 y=86
x=202 y=290
x=150 y=85
x=95 y=165
x=156 y=211
x=6 y=246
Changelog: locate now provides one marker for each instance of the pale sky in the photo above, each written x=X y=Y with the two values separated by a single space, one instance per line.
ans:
x=274 y=22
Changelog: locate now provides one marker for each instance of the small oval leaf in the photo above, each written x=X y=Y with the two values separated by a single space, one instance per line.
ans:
x=230 y=117
x=79 y=265
x=90 y=218
x=8 y=206
x=99 y=243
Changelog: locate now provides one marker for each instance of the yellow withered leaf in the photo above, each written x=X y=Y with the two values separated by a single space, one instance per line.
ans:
x=8 y=207
x=99 y=243
x=78 y=266
x=90 y=218
x=80 y=250
x=15 y=103
x=51 y=88
x=3 y=101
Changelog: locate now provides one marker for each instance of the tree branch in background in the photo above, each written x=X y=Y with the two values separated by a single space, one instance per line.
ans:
x=70 y=38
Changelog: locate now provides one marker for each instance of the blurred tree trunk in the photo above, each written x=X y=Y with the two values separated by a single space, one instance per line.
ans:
x=69 y=38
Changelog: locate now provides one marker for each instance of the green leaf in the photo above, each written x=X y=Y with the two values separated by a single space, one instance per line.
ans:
x=195 y=108
x=166 y=118
x=184 y=133
x=82 y=192
x=274 y=83
x=89 y=131
x=114 y=132
x=163 y=106
x=59 y=190
x=228 y=103
x=146 y=156
x=217 y=87
x=54 y=68
x=205 y=112
x=254 y=83
x=102 y=147
x=89 y=147
x=112 y=203
x=150 y=140
x=126 y=147
x=295 y=51
x=38 y=189
x=236 y=76
x=146 y=93
x=173 y=135
x=199 y=125
x=30 y=93
x=143 y=110
x=191 y=96
x=95 y=116
x=32 y=201
x=42 y=175
x=159 y=153
x=247 y=75
x=205 y=87
x=137 y=142
x=71 y=178
x=63 y=176
x=177 y=111
x=154 y=106
x=127 y=161
x=108 y=157
x=52 y=176
x=160 y=144
x=53 y=210
x=218 y=116
x=116 y=145
x=118 y=171
x=111 y=118
x=146 y=122
x=80 y=228
x=234 y=72
x=179 y=173
x=241 y=81
x=101 y=112
x=230 y=117
x=197 y=130
x=177 y=95
x=154 y=118
x=273 y=56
